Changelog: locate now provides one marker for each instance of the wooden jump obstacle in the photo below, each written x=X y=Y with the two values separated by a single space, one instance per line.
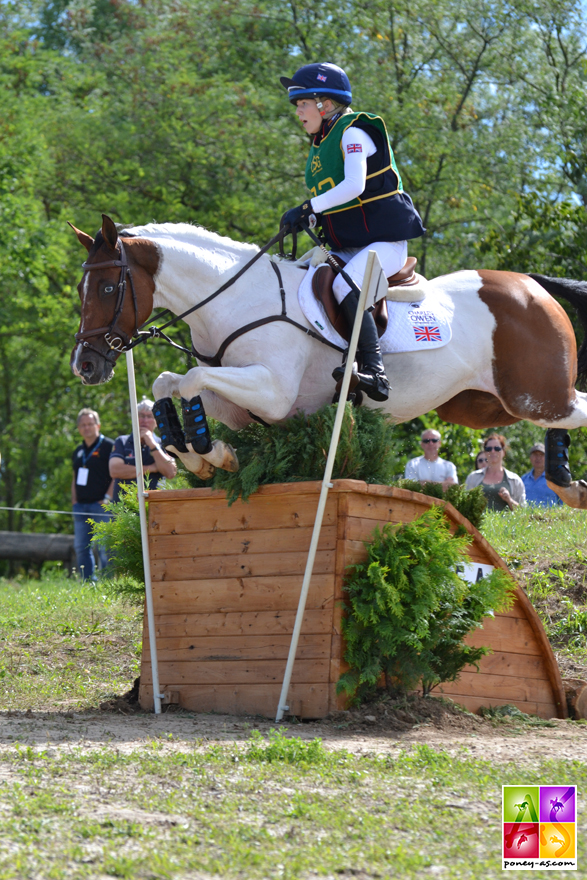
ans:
x=37 y=547
x=226 y=583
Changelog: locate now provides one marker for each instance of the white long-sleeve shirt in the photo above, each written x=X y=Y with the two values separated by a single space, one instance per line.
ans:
x=357 y=146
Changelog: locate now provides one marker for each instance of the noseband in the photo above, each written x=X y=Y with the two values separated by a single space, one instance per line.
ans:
x=115 y=338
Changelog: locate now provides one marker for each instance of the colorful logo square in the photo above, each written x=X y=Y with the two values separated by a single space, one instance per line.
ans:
x=557 y=840
x=520 y=803
x=557 y=803
x=520 y=840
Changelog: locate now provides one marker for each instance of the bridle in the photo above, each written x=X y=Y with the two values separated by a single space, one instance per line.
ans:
x=116 y=339
x=119 y=341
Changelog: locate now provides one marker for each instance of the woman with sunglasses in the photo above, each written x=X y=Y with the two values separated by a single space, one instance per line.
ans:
x=503 y=489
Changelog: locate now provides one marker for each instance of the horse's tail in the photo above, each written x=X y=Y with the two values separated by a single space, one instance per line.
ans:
x=575 y=292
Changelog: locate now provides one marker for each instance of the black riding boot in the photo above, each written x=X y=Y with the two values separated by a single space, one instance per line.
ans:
x=371 y=374
x=556 y=465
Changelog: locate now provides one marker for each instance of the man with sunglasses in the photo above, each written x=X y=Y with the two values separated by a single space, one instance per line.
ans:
x=430 y=468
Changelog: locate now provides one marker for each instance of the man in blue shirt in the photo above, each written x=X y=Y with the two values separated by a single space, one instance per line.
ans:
x=537 y=492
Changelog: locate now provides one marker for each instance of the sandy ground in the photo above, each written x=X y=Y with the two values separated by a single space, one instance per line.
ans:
x=180 y=731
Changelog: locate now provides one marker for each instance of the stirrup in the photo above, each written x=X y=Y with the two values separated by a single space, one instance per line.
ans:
x=195 y=425
x=169 y=426
x=375 y=385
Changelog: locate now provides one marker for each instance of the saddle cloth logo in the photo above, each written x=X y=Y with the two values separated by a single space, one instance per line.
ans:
x=316 y=165
x=411 y=326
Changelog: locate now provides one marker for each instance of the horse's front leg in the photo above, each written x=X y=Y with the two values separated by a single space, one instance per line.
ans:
x=266 y=392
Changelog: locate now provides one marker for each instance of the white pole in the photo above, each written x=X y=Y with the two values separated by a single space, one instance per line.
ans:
x=370 y=275
x=142 y=495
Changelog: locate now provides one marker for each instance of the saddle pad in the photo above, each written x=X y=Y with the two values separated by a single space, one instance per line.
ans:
x=411 y=326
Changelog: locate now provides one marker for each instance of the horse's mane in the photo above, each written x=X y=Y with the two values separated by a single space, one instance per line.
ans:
x=186 y=234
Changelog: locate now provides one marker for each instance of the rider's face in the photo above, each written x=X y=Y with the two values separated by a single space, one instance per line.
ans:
x=309 y=115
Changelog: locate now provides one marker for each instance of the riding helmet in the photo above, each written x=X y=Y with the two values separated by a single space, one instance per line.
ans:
x=316 y=80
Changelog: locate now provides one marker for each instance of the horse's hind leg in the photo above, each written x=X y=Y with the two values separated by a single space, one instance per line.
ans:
x=557 y=470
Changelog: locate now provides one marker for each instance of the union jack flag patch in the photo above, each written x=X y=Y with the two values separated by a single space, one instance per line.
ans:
x=354 y=148
x=321 y=78
x=424 y=333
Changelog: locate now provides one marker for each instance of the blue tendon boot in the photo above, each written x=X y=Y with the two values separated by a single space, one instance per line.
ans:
x=556 y=466
x=169 y=426
x=195 y=425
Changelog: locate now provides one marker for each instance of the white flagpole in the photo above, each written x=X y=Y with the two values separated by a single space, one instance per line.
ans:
x=369 y=277
x=142 y=495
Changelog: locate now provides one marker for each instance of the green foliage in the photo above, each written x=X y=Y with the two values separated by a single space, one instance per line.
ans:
x=471 y=503
x=280 y=748
x=408 y=610
x=296 y=450
x=121 y=536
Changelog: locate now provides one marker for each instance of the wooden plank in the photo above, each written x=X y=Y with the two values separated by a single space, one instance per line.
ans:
x=257 y=623
x=513 y=634
x=304 y=700
x=220 y=543
x=251 y=647
x=260 y=512
x=474 y=703
x=506 y=663
x=384 y=509
x=173 y=674
x=504 y=687
x=243 y=565
x=278 y=593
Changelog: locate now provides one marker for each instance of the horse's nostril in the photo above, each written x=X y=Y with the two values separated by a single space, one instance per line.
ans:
x=87 y=366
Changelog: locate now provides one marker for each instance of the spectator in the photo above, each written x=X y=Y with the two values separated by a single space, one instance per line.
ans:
x=429 y=468
x=91 y=488
x=157 y=464
x=503 y=489
x=537 y=492
x=480 y=460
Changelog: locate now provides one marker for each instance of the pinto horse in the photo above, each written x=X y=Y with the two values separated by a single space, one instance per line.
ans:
x=512 y=356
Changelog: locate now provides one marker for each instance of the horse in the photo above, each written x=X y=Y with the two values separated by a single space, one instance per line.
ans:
x=512 y=356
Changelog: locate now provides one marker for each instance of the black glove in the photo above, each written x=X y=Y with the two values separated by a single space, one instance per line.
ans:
x=296 y=216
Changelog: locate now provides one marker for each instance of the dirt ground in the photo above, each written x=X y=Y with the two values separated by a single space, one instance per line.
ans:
x=384 y=728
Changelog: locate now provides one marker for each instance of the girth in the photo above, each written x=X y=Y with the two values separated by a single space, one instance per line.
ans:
x=216 y=359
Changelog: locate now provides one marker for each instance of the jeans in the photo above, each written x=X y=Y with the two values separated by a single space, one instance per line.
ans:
x=84 y=514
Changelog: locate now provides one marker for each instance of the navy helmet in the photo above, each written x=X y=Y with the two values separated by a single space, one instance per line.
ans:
x=314 y=80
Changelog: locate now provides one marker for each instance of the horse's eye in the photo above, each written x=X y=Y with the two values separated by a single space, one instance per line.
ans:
x=109 y=289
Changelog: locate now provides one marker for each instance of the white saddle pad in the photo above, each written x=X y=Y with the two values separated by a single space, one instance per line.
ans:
x=411 y=326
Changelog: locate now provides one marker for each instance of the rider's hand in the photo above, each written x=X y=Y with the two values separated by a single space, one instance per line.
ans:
x=304 y=213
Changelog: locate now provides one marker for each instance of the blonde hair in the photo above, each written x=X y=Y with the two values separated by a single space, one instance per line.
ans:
x=338 y=107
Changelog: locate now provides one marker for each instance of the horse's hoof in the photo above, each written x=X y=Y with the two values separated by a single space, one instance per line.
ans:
x=574 y=495
x=223 y=456
x=196 y=464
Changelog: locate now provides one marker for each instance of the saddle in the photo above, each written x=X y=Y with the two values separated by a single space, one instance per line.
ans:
x=322 y=288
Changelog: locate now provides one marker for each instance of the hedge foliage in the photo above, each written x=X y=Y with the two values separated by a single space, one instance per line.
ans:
x=408 y=611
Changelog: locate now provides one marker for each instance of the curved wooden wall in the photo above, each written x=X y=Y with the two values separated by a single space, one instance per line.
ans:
x=226 y=582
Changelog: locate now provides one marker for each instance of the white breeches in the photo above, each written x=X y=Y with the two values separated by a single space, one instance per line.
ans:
x=392 y=255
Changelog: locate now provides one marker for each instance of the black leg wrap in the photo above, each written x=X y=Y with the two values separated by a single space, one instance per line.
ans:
x=556 y=466
x=195 y=425
x=169 y=426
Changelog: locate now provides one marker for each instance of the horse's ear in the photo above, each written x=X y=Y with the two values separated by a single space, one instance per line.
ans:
x=83 y=237
x=109 y=231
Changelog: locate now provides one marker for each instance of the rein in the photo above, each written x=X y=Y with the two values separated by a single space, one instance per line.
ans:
x=117 y=340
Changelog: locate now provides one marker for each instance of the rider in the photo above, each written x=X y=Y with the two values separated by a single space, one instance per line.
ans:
x=357 y=195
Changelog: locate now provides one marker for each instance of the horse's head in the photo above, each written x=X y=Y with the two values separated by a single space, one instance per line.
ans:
x=116 y=292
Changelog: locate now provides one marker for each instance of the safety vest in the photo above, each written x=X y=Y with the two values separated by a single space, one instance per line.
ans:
x=383 y=211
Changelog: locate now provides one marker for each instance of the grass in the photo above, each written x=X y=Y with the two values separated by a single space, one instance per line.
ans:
x=273 y=808
x=547 y=550
x=64 y=644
